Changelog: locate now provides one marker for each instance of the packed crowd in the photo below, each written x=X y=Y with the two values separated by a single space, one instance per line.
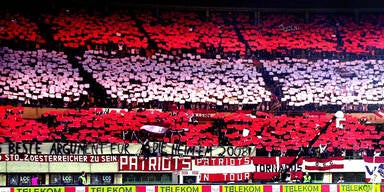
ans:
x=207 y=34
x=269 y=134
x=350 y=84
x=40 y=78
x=187 y=79
x=162 y=81
x=194 y=61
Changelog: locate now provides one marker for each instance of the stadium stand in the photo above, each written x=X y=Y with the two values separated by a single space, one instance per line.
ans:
x=185 y=79
x=280 y=33
x=15 y=26
x=16 y=129
x=328 y=82
x=363 y=37
x=213 y=79
x=188 y=30
x=77 y=28
x=40 y=78
x=282 y=135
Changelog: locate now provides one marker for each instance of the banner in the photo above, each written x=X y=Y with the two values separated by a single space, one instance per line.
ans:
x=112 y=189
x=374 y=169
x=243 y=188
x=323 y=164
x=68 y=148
x=302 y=188
x=269 y=167
x=134 y=163
x=208 y=188
x=225 y=177
x=244 y=169
x=223 y=161
x=39 y=189
x=172 y=149
x=359 y=188
x=224 y=169
x=59 y=158
x=180 y=188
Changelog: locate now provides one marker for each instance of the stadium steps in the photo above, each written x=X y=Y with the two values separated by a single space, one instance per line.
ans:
x=95 y=89
x=151 y=43
x=45 y=31
x=310 y=144
x=239 y=35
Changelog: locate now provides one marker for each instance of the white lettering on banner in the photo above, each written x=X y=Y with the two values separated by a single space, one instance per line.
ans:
x=277 y=168
x=134 y=163
x=224 y=177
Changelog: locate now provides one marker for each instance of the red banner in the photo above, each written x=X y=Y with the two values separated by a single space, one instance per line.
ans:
x=225 y=177
x=135 y=163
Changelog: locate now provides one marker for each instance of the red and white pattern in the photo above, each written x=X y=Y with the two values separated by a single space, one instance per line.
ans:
x=379 y=113
x=326 y=164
